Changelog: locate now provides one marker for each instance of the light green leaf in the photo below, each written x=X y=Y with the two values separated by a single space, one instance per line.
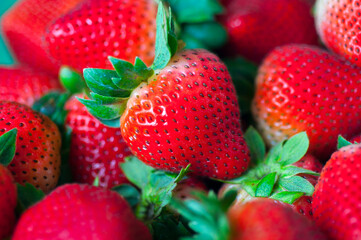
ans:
x=296 y=184
x=294 y=149
x=287 y=197
x=289 y=171
x=265 y=186
x=342 y=142
x=255 y=144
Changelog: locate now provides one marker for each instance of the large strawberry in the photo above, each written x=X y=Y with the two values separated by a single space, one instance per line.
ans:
x=24 y=85
x=78 y=211
x=302 y=88
x=338 y=24
x=95 y=150
x=256 y=27
x=37 y=158
x=183 y=110
x=336 y=201
x=8 y=192
x=24 y=27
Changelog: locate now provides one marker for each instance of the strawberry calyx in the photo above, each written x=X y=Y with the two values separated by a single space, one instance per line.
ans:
x=273 y=175
x=8 y=146
x=342 y=142
x=28 y=195
x=111 y=89
x=71 y=80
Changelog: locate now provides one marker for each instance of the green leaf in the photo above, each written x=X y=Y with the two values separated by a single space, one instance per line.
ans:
x=28 y=195
x=294 y=149
x=105 y=112
x=274 y=155
x=287 y=197
x=250 y=186
x=167 y=226
x=71 y=80
x=209 y=35
x=115 y=123
x=8 y=146
x=265 y=186
x=96 y=182
x=106 y=100
x=130 y=193
x=136 y=171
x=129 y=76
x=255 y=144
x=289 y=171
x=297 y=184
x=342 y=142
x=166 y=44
x=190 y=11
x=100 y=82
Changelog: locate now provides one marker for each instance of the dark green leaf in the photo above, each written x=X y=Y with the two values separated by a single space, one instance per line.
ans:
x=265 y=186
x=287 y=197
x=297 y=184
x=255 y=144
x=167 y=226
x=342 y=142
x=71 y=80
x=190 y=11
x=130 y=193
x=106 y=112
x=65 y=170
x=8 y=146
x=290 y=170
x=294 y=149
x=106 y=100
x=111 y=123
x=28 y=195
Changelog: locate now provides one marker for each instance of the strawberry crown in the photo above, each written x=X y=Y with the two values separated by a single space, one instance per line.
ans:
x=111 y=89
x=273 y=175
x=342 y=142
x=8 y=146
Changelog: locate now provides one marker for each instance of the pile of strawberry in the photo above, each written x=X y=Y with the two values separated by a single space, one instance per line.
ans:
x=170 y=119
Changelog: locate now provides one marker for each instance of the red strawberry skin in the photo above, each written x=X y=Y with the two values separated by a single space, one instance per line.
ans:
x=24 y=27
x=81 y=212
x=267 y=219
x=336 y=200
x=97 y=29
x=185 y=189
x=338 y=24
x=255 y=27
x=96 y=150
x=8 y=198
x=302 y=88
x=188 y=114
x=25 y=86
x=37 y=157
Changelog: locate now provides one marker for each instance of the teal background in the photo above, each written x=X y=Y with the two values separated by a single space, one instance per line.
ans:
x=5 y=57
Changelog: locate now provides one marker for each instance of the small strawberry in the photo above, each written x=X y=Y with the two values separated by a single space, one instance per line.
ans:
x=184 y=189
x=183 y=110
x=76 y=211
x=338 y=25
x=302 y=88
x=256 y=27
x=37 y=158
x=95 y=150
x=24 y=27
x=8 y=194
x=266 y=219
x=336 y=200
x=24 y=85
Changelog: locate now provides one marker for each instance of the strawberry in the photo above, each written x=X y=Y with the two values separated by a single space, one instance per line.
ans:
x=24 y=85
x=24 y=27
x=184 y=189
x=336 y=200
x=126 y=29
x=268 y=219
x=338 y=27
x=8 y=191
x=96 y=150
x=302 y=88
x=37 y=158
x=183 y=110
x=256 y=27
x=77 y=211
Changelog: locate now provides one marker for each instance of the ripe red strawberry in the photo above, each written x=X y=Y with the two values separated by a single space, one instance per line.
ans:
x=37 y=158
x=268 y=219
x=338 y=24
x=303 y=88
x=76 y=211
x=183 y=110
x=256 y=27
x=336 y=201
x=96 y=150
x=24 y=27
x=309 y=162
x=7 y=202
x=24 y=85
x=184 y=189
x=126 y=29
